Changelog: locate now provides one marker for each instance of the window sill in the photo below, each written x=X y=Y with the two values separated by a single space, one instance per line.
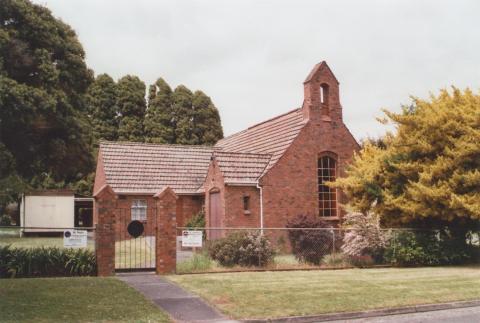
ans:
x=247 y=212
x=330 y=218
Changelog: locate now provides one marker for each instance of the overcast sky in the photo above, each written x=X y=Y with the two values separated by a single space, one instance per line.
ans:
x=251 y=57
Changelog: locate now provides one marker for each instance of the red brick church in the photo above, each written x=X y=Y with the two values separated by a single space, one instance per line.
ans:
x=258 y=177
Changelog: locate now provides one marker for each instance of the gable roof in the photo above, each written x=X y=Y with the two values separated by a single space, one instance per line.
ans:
x=140 y=168
x=317 y=67
x=148 y=168
x=241 y=168
x=271 y=137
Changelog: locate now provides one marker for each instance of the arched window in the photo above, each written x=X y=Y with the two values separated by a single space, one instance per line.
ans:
x=324 y=93
x=327 y=197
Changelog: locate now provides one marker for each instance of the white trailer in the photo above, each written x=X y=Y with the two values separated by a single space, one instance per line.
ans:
x=47 y=211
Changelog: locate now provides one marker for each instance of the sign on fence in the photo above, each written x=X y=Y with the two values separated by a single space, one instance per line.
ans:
x=191 y=238
x=75 y=238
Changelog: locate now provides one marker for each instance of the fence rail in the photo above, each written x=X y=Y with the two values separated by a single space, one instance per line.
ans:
x=244 y=249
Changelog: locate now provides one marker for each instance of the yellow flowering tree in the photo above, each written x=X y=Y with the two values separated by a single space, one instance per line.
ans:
x=427 y=173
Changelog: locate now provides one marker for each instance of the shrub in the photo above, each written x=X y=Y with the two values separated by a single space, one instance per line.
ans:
x=310 y=246
x=242 y=248
x=5 y=220
x=336 y=260
x=364 y=236
x=46 y=262
x=196 y=221
x=414 y=248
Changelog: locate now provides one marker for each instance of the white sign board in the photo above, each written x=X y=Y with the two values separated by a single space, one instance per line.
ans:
x=191 y=238
x=75 y=238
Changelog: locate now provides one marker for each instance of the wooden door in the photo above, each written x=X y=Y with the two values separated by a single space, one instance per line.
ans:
x=215 y=215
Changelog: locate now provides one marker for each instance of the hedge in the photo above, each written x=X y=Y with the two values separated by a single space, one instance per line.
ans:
x=46 y=262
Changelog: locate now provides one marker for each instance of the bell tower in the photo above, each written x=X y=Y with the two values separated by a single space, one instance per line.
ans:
x=321 y=95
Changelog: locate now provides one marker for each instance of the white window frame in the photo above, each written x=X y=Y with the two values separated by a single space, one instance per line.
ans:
x=139 y=210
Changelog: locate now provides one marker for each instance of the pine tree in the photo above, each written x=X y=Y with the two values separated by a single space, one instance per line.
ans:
x=206 y=121
x=131 y=105
x=183 y=114
x=159 y=119
x=428 y=172
x=103 y=110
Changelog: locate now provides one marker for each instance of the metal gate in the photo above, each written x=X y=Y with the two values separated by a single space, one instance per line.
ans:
x=135 y=235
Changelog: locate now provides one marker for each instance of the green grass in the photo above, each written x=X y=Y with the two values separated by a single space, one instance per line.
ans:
x=85 y=299
x=12 y=237
x=134 y=253
x=197 y=263
x=276 y=294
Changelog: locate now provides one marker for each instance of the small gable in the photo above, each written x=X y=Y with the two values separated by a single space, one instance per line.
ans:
x=241 y=168
x=271 y=137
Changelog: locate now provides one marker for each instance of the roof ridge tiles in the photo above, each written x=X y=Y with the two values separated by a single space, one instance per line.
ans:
x=257 y=124
x=243 y=153
x=148 y=144
x=271 y=119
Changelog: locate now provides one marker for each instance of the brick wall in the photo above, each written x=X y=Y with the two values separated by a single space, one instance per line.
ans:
x=291 y=186
x=124 y=205
x=187 y=206
x=235 y=215
x=166 y=241
x=106 y=203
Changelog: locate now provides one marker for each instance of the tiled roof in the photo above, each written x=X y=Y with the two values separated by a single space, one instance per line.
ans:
x=272 y=137
x=243 y=158
x=148 y=168
x=241 y=168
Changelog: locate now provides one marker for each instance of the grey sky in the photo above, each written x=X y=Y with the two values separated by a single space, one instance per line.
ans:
x=251 y=57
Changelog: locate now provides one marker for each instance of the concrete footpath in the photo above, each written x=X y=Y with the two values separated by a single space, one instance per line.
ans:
x=181 y=305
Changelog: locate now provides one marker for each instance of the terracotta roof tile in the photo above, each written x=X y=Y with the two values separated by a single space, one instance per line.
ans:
x=272 y=137
x=241 y=168
x=148 y=168
x=243 y=158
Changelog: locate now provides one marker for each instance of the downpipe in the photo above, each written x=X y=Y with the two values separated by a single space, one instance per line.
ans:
x=261 y=208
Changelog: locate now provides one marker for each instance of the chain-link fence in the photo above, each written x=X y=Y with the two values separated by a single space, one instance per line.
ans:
x=32 y=237
x=243 y=249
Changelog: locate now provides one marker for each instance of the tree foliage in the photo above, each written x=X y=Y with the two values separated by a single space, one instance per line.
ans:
x=428 y=173
x=53 y=111
x=159 y=120
x=43 y=80
x=131 y=105
x=206 y=121
x=102 y=108
x=181 y=117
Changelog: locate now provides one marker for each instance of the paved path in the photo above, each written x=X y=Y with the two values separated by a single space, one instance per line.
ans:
x=457 y=315
x=180 y=304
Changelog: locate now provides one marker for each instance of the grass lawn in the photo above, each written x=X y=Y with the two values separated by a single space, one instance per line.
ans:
x=276 y=294
x=83 y=299
x=135 y=253
x=11 y=236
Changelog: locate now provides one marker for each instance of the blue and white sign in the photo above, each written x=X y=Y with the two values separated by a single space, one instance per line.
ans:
x=75 y=238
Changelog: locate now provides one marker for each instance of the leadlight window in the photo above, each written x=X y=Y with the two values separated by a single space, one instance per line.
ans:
x=327 y=197
x=139 y=210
